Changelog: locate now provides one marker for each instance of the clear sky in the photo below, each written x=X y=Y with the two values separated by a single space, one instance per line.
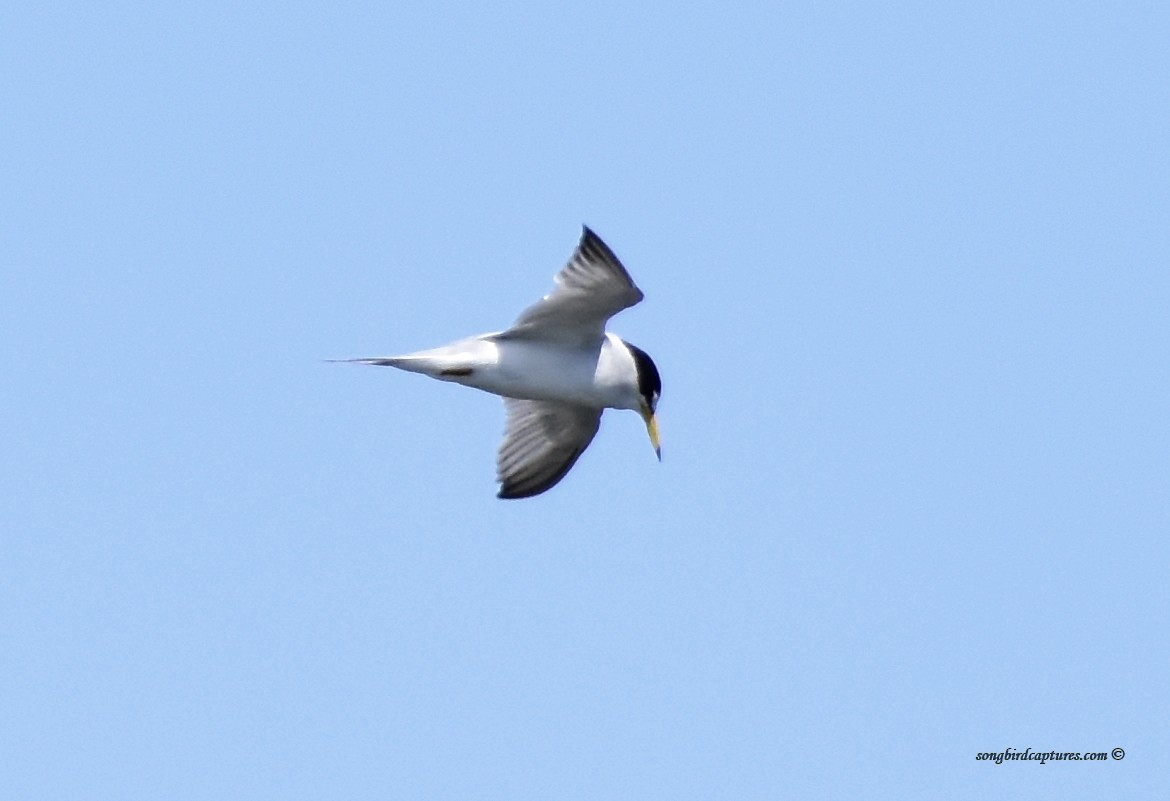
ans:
x=907 y=276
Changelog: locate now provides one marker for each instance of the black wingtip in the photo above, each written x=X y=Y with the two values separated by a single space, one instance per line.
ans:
x=509 y=494
x=593 y=247
x=527 y=488
x=589 y=236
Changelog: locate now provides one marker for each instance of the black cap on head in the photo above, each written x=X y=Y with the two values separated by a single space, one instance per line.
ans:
x=649 y=382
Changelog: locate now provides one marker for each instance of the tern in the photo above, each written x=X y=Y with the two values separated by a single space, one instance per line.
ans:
x=557 y=369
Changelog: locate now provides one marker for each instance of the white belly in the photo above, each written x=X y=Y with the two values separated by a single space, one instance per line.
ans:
x=540 y=371
x=522 y=368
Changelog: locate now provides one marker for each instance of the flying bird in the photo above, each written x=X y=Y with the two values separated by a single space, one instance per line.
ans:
x=557 y=369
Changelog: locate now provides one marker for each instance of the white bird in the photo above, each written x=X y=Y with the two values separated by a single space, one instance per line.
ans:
x=557 y=369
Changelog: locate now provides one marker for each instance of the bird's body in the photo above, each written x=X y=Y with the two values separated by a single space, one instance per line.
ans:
x=530 y=369
x=557 y=368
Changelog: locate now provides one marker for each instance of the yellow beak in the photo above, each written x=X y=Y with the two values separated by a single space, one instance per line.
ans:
x=652 y=429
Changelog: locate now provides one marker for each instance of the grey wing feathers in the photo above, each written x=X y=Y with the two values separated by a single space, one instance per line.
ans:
x=542 y=441
x=590 y=289
x=593 y=266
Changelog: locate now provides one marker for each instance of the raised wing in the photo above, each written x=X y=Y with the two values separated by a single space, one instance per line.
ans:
x=542 y=441
x=590 y=289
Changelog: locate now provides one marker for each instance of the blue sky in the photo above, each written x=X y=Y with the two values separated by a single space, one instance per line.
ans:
x=907 y=272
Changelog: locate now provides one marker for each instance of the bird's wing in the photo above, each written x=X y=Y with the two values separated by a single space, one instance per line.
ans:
x=590 y=289
x=542 y=440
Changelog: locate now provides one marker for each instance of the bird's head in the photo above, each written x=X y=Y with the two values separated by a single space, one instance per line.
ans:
x=649 y=390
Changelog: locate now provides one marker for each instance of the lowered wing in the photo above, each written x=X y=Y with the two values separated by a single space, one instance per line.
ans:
x=542 y=441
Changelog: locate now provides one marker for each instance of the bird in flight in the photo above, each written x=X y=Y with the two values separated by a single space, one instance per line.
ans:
x=557 y=369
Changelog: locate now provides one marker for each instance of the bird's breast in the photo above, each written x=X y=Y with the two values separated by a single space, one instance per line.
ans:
x=546 y=371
